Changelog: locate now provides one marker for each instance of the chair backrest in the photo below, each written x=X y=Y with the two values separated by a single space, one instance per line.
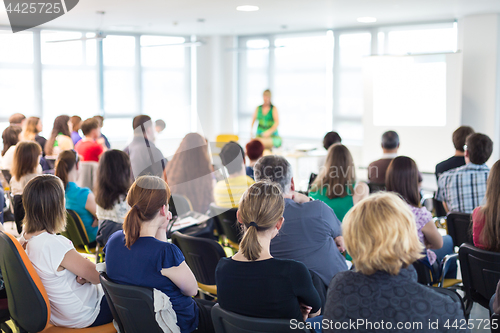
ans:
x=312 y=178
x=7 y=175
x=17 y=205
x=480 y=273
x=452 y=294
x=424 y=274
x=202 y=256
x=181 y=205
x=222 y=139
x=132 y=307
x=29 y=305
x=228 y=223
x=75 y=229
x=460 y=228
x=87 y=174
x=230 y=322
x=374 y=188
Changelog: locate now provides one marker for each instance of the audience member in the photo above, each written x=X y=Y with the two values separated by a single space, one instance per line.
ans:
x=111 y=187
x=227 y=192
x=253 y=283
x=102 y=140
x=462 y=189
x=336 y=183
x=390 y=146
x=312 y=233
x=255 y=150
x=76 y=121
x=486 y=218
x=31 y=131
x=11 y=136
x=330 y=139
x=17 y=119
x=380 y=235
x=458 y=159
x=145 y=158
x=189 y=173
x=87 y=148
x=71 y=281
x=79 y=199
x=25 y=166
x=142 y=247
x=60 y=138
x=402 y=178
x=160 y=126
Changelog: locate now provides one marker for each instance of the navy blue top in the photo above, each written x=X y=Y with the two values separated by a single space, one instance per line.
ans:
x=142 y=265
x=250 y=172
x=308 y=236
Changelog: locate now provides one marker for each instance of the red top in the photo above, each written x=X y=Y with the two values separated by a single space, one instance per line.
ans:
x=477 y=227
x=89 y=150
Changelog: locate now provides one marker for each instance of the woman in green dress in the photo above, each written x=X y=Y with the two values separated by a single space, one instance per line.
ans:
x=268 y=122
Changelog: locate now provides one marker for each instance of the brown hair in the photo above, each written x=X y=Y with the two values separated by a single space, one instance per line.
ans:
x=66 y=161
x=31 y=128
x=100 y=120
x=490 y=236
x=263 y=204
x=380 y=234
x=16 y=119
x=402 y=177
x=60 y=127
x=460 y=135
x=338 y=171
x=113 y=178
x=25 y=158
x=141 y=119
x=43 y=202
x=10 y=137
x=76 y=122
x=88 y=125
x=479 y=147
x=147 y=195
x=255 y=149
x=330 y=139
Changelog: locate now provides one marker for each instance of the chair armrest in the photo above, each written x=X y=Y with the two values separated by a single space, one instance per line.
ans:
x=447 y=260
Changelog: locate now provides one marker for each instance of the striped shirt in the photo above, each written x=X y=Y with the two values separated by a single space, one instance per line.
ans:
x=463 y=188
x=227 y=192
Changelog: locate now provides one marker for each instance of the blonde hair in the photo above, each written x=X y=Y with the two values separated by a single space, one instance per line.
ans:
x=381 y=235
x=262 y=203
x=31 y=130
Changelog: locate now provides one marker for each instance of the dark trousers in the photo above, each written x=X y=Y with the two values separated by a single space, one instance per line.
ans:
x=205 y=324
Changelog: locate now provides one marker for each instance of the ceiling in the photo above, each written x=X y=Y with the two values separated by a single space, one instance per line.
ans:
x=181 y=17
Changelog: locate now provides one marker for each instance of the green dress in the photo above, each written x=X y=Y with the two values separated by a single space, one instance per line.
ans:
x=265 y=122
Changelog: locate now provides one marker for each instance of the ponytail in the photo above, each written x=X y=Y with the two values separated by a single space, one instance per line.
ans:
x=250 y=246
x=132 y=226
x=66 y=161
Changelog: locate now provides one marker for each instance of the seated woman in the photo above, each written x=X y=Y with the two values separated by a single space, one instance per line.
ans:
x=10 y=136
x=141 y=256
x=252 y=282
x=336 y=183
x=111 y=188
x=60 y=138
x=380 y=235
x=25 y=166
x=255 y=150
x=486 y=219
x=79 y=199
x=402 y=178
x=71 y=281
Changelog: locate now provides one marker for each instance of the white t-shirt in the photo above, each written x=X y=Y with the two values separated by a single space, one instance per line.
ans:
x=8 y=158
x=71 y=304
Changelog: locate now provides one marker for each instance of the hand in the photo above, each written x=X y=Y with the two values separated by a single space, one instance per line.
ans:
x=81 y=280
x=300 y=198
x=96 y=223
x=266 y=134
x=305 y=309
x=340 y=244
x=165 y=224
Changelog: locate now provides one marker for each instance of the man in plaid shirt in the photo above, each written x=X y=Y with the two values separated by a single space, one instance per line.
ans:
x=463 y=189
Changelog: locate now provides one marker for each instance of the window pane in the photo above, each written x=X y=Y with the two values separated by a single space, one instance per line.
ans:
x=90 y=50
x=422 y=41
x=162 y=56
x=119 y=51
x=16 y=91
x=353 y=47
x=61 y=53
x=119 y=91
x=16 y=48
x=349 y=130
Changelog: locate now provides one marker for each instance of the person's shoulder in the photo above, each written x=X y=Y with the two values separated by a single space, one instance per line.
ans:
x=343 y=276
x=249 y=180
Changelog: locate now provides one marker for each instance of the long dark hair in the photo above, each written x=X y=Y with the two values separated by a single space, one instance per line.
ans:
x=66 y=161
x=10 y=137
x=147 y=195
x=402 y=178
x=113 y=178
x=60 y=126
x=490 y=236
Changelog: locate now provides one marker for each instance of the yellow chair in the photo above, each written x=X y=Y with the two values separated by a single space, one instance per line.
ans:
x=222 y=139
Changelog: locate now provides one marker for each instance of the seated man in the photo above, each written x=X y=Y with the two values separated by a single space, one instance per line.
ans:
x=145 y=158
x=227 y=192
x=458 y=159
x=255 y=150
x=87 y=148
x=103 y=140
x=311 y=233
x=463 y=189
x=390 y=146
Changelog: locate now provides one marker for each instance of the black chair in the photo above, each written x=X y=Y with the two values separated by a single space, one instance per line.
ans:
x=132 y=307
x=480 y=274
x=227 y=224
x=452 y=294
x=312 y=178
x=4 y=315
x=17 y=205
x=229 y=322
x=459 y=227
x=202 y=256
x=374 y=188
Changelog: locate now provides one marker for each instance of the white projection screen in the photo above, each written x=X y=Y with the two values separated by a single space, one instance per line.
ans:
x=419 y=97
